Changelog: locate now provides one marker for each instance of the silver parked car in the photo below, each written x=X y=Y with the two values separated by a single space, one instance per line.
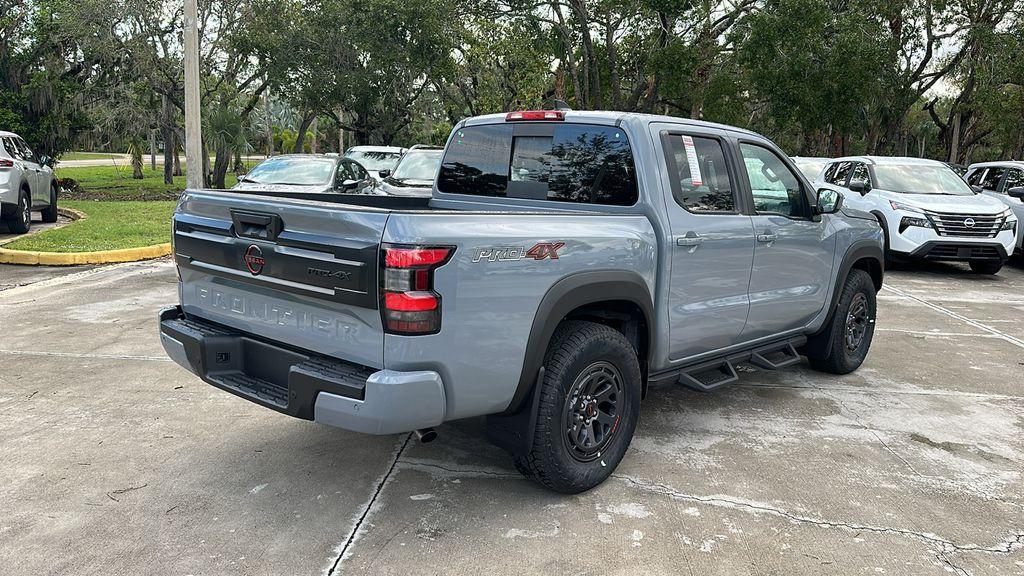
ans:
x=414 y=174
x=1002 y=180
x=26 y=184
x=376 y=158
x=309 y=173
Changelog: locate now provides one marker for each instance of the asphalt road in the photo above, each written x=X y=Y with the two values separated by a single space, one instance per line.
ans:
x=115 y=461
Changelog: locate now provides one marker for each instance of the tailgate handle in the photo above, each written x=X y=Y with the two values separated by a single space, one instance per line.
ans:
x=256 y=225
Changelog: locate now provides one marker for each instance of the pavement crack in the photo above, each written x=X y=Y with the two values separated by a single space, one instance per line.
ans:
x=944 y=558
x=458 y=470
x=1007 y=546
x=357 y=527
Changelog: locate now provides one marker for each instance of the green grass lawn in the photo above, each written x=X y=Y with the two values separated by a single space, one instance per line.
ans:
x=116 y=183
x=109 y=226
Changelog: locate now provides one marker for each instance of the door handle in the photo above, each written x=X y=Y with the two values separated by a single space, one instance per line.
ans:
x=767 y=237
x=692 y=240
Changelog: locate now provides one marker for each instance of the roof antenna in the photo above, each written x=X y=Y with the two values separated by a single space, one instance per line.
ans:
x=561 y=105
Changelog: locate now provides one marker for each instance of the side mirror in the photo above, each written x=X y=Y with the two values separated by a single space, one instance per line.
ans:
x=384 y=173
x=1016 y=192
x=349 y=184
x=829 y=201
x=860 y=187
x=977 y=189
x=46 y=160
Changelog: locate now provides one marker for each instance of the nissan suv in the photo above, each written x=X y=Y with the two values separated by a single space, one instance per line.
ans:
x=926 y=210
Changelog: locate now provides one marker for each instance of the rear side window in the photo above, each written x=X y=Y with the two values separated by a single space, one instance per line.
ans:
x=837 y=175
x=12 y=148
x=701 y=177
x=992 y=178
x=565 y=163
x=1014 y=179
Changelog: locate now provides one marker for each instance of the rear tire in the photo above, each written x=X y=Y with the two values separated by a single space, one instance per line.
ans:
x=50 y=212
x=852 y=327
x=21 y=219
x=986 y=266
x=589 y=406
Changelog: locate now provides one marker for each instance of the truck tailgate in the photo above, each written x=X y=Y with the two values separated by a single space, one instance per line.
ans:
x=293 y=271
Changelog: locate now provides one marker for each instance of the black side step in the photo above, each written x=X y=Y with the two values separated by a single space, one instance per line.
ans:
x=708 y=376
x=713 y=374
x=775 y=357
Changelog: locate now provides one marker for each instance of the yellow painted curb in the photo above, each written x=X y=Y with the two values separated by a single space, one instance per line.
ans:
x=33 y=258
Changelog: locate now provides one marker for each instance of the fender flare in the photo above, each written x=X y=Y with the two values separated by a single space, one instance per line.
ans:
x=566 y=295
x=860 y=250
x=513 y=428
x=884 y=223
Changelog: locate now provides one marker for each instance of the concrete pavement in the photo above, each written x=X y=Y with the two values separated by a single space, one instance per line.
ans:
x=116 y=461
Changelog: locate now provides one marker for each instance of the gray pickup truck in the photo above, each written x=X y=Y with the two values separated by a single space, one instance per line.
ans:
x=566 y=262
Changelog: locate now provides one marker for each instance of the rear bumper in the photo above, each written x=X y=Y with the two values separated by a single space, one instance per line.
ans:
x=962 y=251
x=300 y=383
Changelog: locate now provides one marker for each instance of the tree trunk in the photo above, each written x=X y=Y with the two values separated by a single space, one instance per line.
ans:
x=314 y=126
x=341 y=131
x=267 y=122
x=137 y=159
x=168 y=135
x=300 y=138
x=206 y=165
x=177 y=155
x=954 y=140
x=613 y=61
x=220 y=165
x=152 y=149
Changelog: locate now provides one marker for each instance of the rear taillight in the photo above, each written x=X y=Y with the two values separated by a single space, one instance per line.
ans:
x=409 y=304
x=555 y=115
x=6 y=163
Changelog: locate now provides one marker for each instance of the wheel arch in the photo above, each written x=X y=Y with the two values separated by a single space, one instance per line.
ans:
x=864 y=255
x=617 y=298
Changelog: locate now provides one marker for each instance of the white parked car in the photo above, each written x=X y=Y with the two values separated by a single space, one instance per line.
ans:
x=926 y=210
x=376 y=158
x=1002 y=180
x=26 y=184
x=811 y=166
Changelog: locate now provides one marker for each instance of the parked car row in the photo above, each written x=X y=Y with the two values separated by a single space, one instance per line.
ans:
x=378 y=170
x=927 y=210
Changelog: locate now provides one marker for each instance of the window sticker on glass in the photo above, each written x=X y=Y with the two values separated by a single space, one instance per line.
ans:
x=691 y=158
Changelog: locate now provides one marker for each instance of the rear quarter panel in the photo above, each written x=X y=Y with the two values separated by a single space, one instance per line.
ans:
x=488 y=306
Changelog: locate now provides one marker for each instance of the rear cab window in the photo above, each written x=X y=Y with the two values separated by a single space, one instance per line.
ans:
x=563 y=162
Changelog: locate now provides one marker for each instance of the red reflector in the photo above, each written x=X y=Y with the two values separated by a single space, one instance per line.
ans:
x=410 y=301
x=6 y=163
x=413 y=257
x=535 y=115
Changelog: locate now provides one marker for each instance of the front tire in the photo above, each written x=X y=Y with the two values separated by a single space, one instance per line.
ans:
x=589 y=407
x=49 y=213
x=851 y=329
x=986 y=266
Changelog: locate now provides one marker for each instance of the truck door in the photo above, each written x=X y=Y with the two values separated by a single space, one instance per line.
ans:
x=793 y=252
x=711 y=243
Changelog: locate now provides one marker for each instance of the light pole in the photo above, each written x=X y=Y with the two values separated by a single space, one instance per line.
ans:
x=193 y=125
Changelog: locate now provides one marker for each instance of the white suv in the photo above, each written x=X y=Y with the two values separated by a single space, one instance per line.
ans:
x=926 y=210
x=1002 y=180
x=26 y=184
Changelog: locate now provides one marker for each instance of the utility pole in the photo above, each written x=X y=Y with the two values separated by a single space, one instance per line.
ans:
x=193 y=124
